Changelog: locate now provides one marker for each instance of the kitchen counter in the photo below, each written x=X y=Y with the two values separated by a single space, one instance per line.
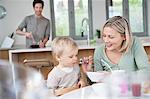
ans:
x=41 y=50
x=145 y=42
x=45 y=49
x=34 y=54
x=19 y=55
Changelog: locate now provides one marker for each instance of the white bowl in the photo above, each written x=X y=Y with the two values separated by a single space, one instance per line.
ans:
x=96 y=76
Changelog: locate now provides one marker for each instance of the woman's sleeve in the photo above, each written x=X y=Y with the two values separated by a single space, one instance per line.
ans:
x=140 y=54
x=97 y=58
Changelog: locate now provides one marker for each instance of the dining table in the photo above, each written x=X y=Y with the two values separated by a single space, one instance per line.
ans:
x=96 y=91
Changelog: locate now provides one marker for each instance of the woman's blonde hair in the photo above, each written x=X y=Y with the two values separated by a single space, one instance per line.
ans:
x=60 y=44
x=121 y=25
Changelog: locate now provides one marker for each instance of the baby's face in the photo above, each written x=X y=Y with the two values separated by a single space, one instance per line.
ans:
x=69 y=57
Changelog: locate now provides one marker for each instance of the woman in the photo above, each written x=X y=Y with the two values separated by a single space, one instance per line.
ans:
x=120 y=50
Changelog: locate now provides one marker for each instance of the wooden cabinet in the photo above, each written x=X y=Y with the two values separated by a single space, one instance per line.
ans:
x=147 y=49
x=4 y=54
x=18 y=56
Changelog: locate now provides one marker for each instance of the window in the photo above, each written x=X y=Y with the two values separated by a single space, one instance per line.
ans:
x=126 y=8
x=71 y=18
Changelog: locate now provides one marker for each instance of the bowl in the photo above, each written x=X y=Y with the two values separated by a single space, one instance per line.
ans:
x=34 y=46
x=97 y=76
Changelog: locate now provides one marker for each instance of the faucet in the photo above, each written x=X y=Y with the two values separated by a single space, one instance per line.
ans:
x=85 y=29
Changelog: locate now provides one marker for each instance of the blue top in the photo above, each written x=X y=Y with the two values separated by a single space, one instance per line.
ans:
x=135 y=59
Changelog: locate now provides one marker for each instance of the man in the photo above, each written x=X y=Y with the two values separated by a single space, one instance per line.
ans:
x=37 y=27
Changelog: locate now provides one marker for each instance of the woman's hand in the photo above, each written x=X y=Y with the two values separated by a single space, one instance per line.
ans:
x=87 y=63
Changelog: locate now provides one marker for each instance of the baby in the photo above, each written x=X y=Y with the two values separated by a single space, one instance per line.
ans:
x=65 y=77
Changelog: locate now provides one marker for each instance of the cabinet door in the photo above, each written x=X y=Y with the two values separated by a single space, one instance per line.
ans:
x=4 y=54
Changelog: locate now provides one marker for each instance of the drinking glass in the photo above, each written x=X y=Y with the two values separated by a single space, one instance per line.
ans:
x=136 y=81
x=118 y=83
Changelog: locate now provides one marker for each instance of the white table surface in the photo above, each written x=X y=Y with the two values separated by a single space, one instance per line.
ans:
x=82 y=93
x=89 y=93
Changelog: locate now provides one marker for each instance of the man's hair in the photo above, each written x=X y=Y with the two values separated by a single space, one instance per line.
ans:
x=38 y=1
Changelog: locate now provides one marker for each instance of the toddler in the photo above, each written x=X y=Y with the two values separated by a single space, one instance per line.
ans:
x=65 y=76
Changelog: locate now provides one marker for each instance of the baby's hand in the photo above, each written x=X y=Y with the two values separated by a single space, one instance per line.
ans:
x=81 y=84
x=75 y=86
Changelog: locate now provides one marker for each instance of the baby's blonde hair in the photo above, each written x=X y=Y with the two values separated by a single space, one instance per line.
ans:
x=121 y=25
x=60 y=44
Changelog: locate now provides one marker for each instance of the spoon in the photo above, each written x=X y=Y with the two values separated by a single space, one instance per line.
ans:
x=106 y=65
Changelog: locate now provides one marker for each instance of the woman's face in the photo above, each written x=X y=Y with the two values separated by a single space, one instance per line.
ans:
x=112 y=39
x=38 y=9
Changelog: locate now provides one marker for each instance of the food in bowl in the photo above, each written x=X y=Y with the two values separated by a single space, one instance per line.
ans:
x=34 y=46
x=97 y=76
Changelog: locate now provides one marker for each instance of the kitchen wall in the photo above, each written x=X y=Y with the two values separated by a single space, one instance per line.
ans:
x=99 y=14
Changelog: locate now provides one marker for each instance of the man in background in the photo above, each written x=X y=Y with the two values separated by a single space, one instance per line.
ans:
x=37 y=27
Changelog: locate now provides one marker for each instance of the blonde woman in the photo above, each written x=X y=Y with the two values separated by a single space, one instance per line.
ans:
x=120 y=50
x=65 y=77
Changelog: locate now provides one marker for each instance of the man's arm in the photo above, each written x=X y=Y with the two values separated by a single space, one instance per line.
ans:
x=43 y=42
x=26 y=34
x=20 y=28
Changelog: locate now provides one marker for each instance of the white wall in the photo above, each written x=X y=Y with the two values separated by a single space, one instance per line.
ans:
x=99 y=14
x=18 y=9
